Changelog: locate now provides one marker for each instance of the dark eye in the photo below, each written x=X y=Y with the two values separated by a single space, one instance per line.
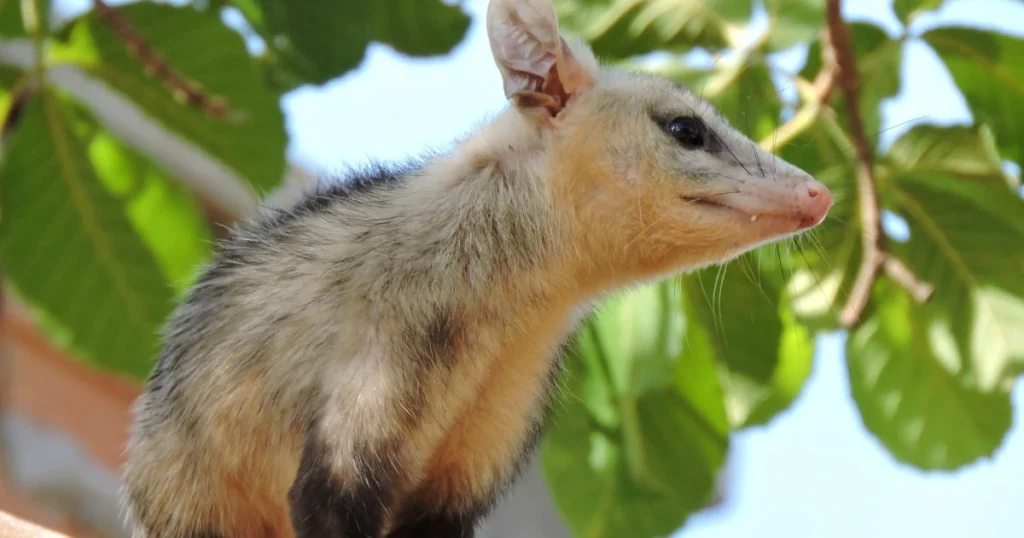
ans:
x=690 y=132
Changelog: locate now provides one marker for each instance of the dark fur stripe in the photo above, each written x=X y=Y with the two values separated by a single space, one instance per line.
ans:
x=443 y=335
x=323 y=507
x=441 y=526
x=420 y=522
x=356 y=186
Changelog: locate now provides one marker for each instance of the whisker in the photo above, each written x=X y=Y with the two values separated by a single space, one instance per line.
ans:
x=746 y=128
x=889 y=128
x=643 y=231
x=704 y=290
x=832 y=270
x=727 y=148
x=901 y=124
x=714 y=65
x=775 y=158
x=789 y=257
x=757 y=158
x=778 y=255
x=817 y=281
x=812 y=237
x=759 y=270
x=750 y=277
x=716 y=305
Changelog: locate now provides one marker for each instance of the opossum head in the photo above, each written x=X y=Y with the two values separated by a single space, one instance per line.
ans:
x=651 y=178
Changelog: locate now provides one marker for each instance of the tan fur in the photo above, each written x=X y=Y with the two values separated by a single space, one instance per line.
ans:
x=499 y=413
x=406 y=337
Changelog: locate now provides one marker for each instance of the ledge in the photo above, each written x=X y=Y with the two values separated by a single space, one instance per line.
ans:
x=12 y=527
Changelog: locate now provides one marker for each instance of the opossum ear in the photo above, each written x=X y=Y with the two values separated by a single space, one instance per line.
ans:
x=537 y=67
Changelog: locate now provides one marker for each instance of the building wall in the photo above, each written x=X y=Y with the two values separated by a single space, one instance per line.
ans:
x=62 y=428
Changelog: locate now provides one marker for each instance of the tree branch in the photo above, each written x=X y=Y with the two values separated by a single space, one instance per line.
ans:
x=874 y=256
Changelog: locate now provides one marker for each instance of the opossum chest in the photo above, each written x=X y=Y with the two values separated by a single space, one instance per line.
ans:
x=491 y=403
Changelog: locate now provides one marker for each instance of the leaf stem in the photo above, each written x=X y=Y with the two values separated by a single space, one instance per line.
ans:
x=34 y=21
x=874 y=257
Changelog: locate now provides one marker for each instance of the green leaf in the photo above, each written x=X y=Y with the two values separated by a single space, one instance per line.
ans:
x=70 y=249
x=12 y=16
x=745 y=95
x=698 y=369
x=9 y=76
x=988 y=68
x=907 y=10
x=10 y=19
x=729 y=302
x=763 y=354
x=419 y=28
x=5 y=98
x=163 y=212
x=916 y=404
x=587 y=472
x=879 y=58
x=824 y=266
x=969 y=152
x=656 y=462
x=8 y=79
x=636 y=335
x=320 y=42
x=619 y=29
x=960 y=237
x=822 y=270
x=250 y=9
x=794 y=21
x=250 y=138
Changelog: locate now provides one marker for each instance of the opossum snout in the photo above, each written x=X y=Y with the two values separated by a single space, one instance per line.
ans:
x=812 y=200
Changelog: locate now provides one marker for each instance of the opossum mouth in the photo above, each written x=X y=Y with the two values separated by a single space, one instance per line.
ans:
x=752 y=217
x=706 y=202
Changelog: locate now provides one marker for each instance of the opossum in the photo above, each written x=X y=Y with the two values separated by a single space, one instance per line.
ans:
x=377 y=359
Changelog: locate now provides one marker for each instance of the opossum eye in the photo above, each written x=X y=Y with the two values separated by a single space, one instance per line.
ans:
x=689 y=131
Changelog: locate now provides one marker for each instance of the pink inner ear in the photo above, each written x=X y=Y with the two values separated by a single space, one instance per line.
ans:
x=537 y=100
x=534 y=60
x=574 y=78
x=553 y=86
x=565 y=78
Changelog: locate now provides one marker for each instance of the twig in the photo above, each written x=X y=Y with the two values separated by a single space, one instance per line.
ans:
x=814 y=94
x=874 y=256
x=190 y=93
x=902 y=275
x=825 y=81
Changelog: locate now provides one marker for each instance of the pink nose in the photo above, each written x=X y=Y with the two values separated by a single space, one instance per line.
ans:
x=814 y=200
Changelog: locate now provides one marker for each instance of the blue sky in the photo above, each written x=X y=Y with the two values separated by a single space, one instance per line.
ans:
x=814 y=472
